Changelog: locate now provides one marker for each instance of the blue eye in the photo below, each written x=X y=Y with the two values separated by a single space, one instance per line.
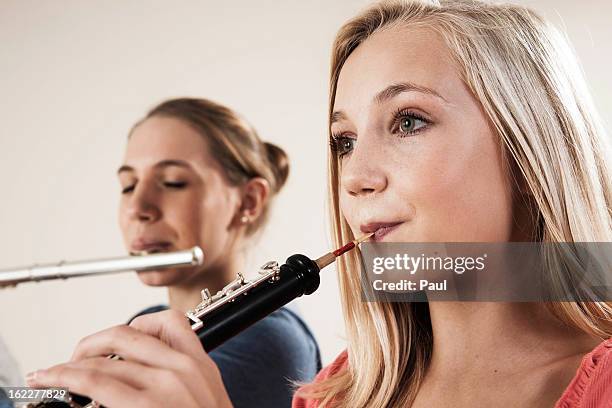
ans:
x=408 y=123
x=342 y=145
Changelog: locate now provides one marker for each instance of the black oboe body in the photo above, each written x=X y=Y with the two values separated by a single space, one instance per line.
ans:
x=298 y=276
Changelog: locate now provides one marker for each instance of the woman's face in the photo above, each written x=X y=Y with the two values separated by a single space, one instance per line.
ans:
x=416 y=153
x=175 y=196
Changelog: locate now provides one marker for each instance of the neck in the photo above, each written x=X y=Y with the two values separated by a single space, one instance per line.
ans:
x=519 y=335
x=186 y=295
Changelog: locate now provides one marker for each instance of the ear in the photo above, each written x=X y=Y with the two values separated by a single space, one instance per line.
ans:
x=255 y=195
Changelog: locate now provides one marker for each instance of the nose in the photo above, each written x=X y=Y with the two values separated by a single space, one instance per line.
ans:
x=362 y=173
x=142 y=204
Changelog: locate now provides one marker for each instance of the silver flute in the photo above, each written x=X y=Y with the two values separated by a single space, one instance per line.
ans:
x=65 y=270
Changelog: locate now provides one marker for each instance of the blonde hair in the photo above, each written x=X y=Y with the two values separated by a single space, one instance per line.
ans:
x=233 y=142
x=527 y=80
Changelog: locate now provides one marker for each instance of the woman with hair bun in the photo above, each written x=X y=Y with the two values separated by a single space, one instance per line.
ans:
x=195 y=173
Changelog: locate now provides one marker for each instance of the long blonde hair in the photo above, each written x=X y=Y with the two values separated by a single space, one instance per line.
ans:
x=528 y=82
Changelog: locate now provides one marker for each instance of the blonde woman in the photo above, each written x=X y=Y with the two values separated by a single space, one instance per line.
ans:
x=449 y=121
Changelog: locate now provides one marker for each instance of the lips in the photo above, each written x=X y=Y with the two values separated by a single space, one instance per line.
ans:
x=380 y=229
x=148 y=246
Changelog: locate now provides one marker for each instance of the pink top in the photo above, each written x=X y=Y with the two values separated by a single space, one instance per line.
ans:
x=591 y=387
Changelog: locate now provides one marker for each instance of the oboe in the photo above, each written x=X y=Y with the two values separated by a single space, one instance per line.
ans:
x=242 y=303
x=65 y=270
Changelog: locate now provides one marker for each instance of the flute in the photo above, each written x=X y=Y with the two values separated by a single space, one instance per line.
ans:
x=242 y=303
x=65 y=270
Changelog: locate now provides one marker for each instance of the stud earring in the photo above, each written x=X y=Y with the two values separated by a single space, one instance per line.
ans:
x=244 y=219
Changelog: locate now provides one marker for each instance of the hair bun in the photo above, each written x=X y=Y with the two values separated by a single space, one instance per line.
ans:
x=279 y=162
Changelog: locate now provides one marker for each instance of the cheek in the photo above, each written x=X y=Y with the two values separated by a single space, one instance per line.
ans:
x=344 y=204
x=350 y=210
x=215 y=215
x=123 y=220
x=182 y=217
x=459 y=190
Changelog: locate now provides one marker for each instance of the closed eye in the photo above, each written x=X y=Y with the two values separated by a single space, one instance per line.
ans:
x=175 y=184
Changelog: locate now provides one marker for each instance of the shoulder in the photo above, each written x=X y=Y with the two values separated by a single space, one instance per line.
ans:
x=282 y=326
x=286 y=322
x=260 y=364
x=282 y=337
x=592 y=385
x=338 y=365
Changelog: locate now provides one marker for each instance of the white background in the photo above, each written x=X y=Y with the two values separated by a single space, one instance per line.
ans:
x=74 y=77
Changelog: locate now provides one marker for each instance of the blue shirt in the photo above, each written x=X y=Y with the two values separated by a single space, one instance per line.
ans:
x=259 y=364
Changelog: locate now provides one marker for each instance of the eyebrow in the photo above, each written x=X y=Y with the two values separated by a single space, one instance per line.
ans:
x=161 y=164
x=391 y=92
x=396 y=89
x=337 y=116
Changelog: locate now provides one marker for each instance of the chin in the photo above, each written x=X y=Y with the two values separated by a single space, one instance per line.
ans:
x=168 y=277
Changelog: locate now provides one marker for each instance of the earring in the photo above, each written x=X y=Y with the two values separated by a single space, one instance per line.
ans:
x=244 y=219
